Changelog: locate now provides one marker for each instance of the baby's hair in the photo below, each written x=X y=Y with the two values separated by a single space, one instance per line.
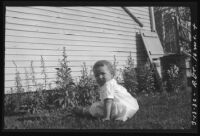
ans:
x=104 y=63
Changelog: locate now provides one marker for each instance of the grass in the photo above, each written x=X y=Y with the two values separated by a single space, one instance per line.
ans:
x=160 y=111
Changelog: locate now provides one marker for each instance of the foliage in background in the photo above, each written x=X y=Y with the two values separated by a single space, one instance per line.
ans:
x=146 y=79
x=11 y=102
x=43 y=72
x=84 y=92
x=65 y=83
x=64 y=78
x=27 y=80
x=115 y=64
x=130 y=76
x=117 y=71
x=173 y=25
x=33 y=75
x=86 y=88
x=174 y=83
x=18 y=80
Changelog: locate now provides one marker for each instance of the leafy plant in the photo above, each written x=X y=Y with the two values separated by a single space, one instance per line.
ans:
x=33 y=75
x=146 y=78
x=30 y=102
x=18 y=80
x=10 y=103
x=115 y=64
x=37 y=101
x=130 y=76
x=27 y=80
x=18 y=83
x=117 y=71
x=64 y=78
x=44 y=72
x=174 y=82
x=174 y=28
x=65 y=83
x=86 y=88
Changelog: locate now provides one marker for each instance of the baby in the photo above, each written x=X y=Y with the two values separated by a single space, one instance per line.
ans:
x=116 y=103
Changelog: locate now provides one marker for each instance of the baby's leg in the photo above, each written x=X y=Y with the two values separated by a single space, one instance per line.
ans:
x=118 y=111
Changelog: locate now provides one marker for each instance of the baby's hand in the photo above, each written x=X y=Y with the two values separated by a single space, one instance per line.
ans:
x=105 y=119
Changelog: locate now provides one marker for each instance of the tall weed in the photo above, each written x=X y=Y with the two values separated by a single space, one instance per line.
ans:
x=117 y=71
x=43 y=72
x=27 y=80
x=13 y=103
x=65 y=83
x=64 y=78
x=86 y=88
x=174 y=81
x=33 y=75
x=146 y=78
x=19 y=88
x=130 y=76
x=10 y=103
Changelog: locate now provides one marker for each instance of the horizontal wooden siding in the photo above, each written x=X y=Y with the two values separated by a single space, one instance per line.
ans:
x=88 y=34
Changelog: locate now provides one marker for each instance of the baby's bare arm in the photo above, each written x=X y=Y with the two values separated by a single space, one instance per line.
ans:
x=107 y=108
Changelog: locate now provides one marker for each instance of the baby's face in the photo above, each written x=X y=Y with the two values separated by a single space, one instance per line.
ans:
x=102 y=75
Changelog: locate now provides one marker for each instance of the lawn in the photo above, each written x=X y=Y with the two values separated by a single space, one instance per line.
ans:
x=158 y=111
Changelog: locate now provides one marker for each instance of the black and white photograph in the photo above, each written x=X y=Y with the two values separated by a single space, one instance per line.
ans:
x=100 y=67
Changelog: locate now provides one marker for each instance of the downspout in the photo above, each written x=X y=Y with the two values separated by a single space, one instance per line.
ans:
x=152 y=18
x=133 y=17
x=158 y=68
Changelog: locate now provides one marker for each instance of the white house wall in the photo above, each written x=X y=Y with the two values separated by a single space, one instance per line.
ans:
x=88 y=34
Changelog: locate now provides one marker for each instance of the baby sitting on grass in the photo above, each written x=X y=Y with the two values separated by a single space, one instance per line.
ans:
x=116 y=102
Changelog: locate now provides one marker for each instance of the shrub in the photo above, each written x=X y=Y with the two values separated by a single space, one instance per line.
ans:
x=86 y=88
x=27 y=80
x=10 y=104
x=64 y=78
x=130 y=76
x=36 y=101
x=33 y=75
x=19 y=88
x=40 y=99
x=30 y=101
x=43 y=72
x=146 y=78
x=174 y=81
x=18 y=81
x=65 y=83
x=118 y=72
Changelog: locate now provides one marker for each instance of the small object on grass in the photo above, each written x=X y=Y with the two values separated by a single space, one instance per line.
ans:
x=105 y=119
x=82 y=112
x=78 y=111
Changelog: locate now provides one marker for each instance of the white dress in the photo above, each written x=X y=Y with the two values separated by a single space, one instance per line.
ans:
x=124 y=104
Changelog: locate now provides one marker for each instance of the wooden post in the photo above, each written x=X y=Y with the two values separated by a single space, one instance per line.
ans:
x=163 y=30
x=177 y=31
